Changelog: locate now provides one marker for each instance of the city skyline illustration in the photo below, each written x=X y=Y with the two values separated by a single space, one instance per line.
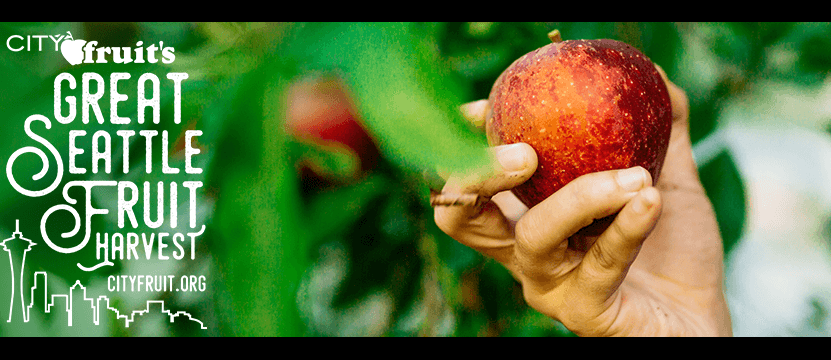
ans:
x=80 y=308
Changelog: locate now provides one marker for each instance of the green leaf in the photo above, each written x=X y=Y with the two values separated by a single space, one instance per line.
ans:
x=724 y=186
x=815 y=55
x=261 y=247
x=727 y=43
x=662 y=43
x=332 y=211
x=704 y=111
x=763 y=33
x=331 y=160
x=484 y=61
x=534 y=324
x=407 y=96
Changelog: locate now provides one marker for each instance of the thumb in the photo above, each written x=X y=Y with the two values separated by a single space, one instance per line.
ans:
x=515 y=164
x=480 y=224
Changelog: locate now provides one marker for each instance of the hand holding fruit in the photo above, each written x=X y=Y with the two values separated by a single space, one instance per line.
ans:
x=655 y=270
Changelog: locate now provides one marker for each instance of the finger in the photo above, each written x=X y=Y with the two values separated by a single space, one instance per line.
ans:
x=510 y=205
x=484 y=227
x=542 y=233
x=678 y=98
x=606 y=263
x=679 y=169
x=475 y=112
x=516 y=163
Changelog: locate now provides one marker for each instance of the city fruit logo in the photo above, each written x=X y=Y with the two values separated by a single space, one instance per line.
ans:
x=79 y=110
x=72 y=50
x=77 y=51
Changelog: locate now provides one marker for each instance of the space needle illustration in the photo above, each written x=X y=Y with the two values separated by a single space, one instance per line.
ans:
x=17 y=246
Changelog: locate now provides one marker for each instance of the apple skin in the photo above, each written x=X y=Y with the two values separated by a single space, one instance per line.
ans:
x=320 y=110
x=584 y=106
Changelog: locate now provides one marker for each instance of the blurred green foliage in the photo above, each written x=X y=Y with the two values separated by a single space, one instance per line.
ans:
x=362 y=256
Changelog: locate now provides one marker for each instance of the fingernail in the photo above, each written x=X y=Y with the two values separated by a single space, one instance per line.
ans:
x=511 y=157
x=631 y=179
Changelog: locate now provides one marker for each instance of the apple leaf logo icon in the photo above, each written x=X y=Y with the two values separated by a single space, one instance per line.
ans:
x=71 y=49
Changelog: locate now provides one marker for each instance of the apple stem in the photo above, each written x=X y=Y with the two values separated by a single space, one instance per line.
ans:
x=456 y=199
x=555 y=36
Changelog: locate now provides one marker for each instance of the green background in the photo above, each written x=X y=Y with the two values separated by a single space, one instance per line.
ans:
x=361 y=255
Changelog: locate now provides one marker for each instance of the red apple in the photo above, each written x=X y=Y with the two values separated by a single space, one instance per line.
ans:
x=584 y=106
x=320 y=110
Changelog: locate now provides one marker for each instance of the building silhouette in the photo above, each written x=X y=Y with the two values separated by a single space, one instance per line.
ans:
x=82 y=308
x=17 y=246
x=79 y=306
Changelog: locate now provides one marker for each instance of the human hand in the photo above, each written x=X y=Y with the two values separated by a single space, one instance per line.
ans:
x=657 y=270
